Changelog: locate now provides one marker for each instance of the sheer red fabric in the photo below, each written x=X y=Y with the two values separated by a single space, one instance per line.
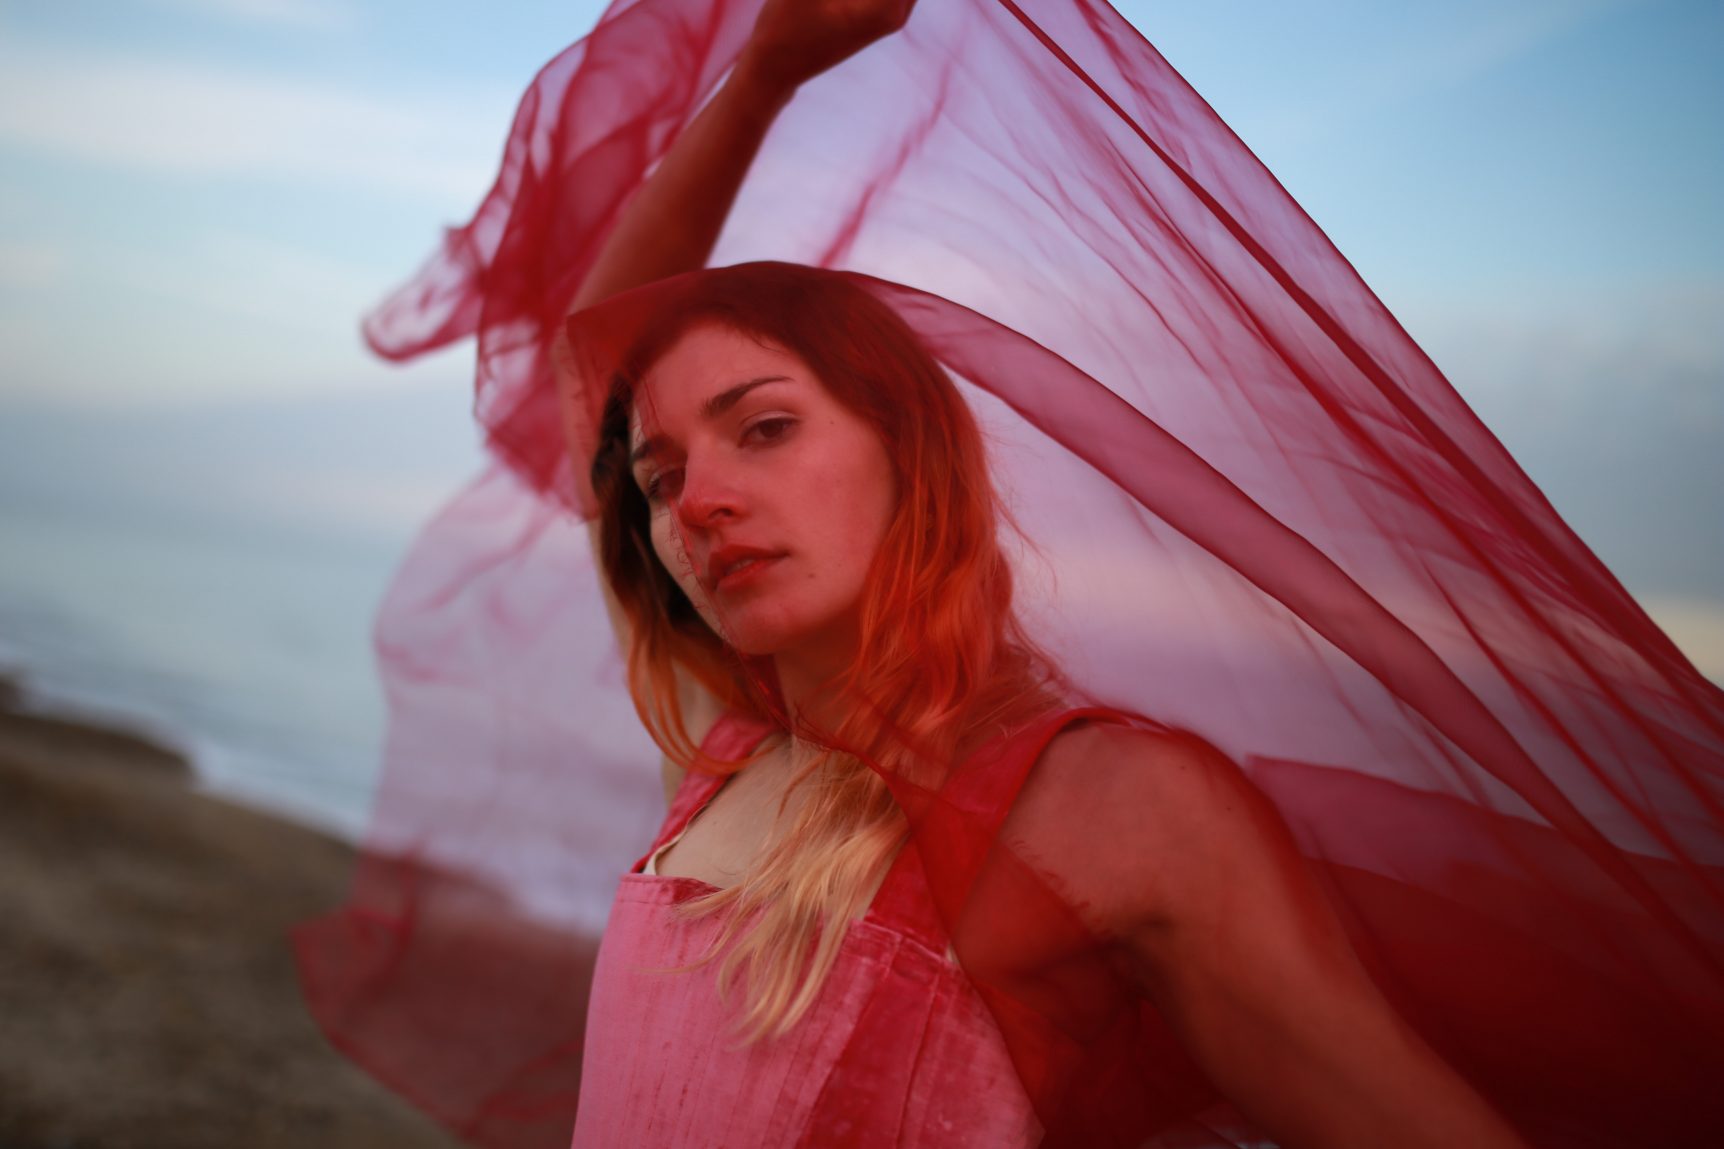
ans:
x=1257 y=512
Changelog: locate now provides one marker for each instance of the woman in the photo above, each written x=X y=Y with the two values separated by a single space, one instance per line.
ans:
x=1132 y=928
x=763 y=537
x=815 y=545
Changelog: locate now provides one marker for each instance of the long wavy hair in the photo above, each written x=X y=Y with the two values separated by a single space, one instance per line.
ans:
x=942 y=663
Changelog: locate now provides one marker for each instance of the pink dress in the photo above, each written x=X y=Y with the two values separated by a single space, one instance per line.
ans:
x=898 y=1049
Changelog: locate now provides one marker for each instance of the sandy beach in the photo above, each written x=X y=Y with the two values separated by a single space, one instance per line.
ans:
x=147 y=994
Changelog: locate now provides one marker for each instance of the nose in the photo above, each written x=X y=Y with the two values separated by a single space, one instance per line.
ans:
x=708 y=496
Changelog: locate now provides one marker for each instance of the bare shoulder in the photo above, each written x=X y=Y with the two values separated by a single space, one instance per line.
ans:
x=1161 y=779
x=1140 y=823
x=1098 y=760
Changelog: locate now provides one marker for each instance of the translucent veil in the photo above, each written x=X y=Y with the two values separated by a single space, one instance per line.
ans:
x=1258 y=511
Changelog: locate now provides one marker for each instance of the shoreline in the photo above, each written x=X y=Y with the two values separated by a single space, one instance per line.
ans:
x=145 y=975
x=219 y=763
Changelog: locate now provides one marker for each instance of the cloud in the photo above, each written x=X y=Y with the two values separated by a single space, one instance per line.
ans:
x=309 y=15
x=230 y=312
x=280 y=285
x=160 y=116
x=366 y=461
x=233 y=316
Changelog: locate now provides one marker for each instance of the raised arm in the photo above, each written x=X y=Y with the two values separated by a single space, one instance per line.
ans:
x=672 y=222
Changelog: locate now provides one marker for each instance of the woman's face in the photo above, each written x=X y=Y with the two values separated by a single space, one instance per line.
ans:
x=768 y=497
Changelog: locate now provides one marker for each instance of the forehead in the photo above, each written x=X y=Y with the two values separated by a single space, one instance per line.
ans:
x=705 y=362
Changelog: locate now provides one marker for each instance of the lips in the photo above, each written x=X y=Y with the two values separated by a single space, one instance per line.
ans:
x=732 y=561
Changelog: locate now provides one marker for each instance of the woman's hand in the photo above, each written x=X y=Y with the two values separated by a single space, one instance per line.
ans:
x=795 y=40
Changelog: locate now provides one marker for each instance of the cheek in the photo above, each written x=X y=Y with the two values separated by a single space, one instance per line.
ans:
x=873 y=499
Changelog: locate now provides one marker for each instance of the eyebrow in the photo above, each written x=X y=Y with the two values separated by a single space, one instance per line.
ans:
x=711 y=409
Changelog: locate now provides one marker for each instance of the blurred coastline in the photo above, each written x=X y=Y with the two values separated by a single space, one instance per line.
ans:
x=189 y=733
x=149 y=993
x=211 y=576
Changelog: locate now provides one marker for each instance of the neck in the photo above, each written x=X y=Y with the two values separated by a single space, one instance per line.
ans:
x=807 y=679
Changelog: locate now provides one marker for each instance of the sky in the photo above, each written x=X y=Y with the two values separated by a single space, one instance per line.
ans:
x=198 y=199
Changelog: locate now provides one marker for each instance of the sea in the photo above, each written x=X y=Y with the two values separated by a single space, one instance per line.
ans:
x=207 y=574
